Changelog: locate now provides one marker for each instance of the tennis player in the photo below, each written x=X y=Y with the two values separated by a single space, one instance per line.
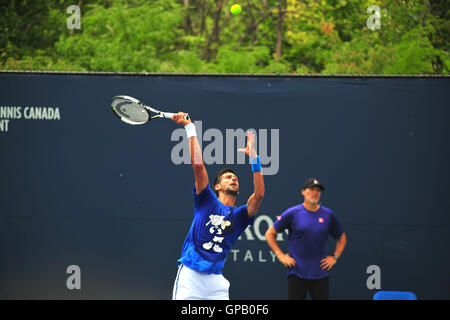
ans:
x=217 y=223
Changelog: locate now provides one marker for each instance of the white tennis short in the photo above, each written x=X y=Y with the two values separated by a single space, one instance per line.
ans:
x=195 y=285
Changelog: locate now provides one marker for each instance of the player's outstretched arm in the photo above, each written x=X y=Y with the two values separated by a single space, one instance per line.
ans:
x=200 y=174
x=255 y=200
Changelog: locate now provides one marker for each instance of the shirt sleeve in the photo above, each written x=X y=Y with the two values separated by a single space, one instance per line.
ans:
x=283 y=222
x=336 y=229
x=242 y=217
x=206 y=197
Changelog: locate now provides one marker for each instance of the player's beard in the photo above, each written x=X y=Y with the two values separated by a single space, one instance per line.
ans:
x=233 y=193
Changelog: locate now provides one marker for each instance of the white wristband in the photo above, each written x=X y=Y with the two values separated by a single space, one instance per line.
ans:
x=190 y=130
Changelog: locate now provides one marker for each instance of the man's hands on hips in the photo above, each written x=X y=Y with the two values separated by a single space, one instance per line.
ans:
x=289 y=262
x=286 y=260
x=328 y=263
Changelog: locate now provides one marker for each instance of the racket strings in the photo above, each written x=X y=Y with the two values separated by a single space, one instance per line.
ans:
x=130 y=111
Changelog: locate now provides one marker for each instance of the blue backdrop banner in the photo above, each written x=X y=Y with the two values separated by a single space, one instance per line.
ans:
x=93 y=208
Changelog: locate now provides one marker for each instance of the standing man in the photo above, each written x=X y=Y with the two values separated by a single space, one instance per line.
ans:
x=309 y=225
x=217 y=223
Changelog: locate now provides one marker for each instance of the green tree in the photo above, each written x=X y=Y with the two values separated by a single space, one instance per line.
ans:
x=192 y=36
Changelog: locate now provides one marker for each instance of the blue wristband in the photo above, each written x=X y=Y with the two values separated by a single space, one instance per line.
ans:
x=256 y=164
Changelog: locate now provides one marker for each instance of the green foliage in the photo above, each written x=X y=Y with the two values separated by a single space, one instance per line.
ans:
x=138 y=38
x=413 y=55
x=242 y=60
x=202 y=36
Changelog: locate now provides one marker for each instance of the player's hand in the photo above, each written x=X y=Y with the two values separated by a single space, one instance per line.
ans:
x=180 y=118
x=250 y=148
x=287 y=260
x=328 y=263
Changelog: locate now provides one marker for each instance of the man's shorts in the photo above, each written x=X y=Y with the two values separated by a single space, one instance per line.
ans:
x=195 y=285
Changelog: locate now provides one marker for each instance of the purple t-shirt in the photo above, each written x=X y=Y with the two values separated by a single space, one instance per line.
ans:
x=308 y=234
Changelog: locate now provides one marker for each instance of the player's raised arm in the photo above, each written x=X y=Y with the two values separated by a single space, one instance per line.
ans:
x=255 y=200
x=201 y=176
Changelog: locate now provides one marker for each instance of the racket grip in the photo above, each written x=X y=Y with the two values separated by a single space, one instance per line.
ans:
x=170 y=115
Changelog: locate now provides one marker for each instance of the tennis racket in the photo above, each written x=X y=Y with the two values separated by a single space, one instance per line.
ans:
x=132 y=111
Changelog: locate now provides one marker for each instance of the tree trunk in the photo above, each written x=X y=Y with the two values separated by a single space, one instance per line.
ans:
x=208 y=53
x=281 y=14
x=203 y=13
x=189 y=27
x=255 y=25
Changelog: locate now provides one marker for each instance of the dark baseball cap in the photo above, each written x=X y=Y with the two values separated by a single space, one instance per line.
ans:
x=313 y=182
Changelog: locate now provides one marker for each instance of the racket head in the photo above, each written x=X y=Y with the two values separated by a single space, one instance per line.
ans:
x=130 y=110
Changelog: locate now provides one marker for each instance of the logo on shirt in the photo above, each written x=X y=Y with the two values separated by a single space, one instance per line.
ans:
x=219 y=228
x=320 y=220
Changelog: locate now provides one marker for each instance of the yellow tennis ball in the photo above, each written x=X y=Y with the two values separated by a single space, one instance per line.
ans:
x=235 y=9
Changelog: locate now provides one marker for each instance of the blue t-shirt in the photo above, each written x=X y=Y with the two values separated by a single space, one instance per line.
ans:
x=308 y=234
x=214 y=230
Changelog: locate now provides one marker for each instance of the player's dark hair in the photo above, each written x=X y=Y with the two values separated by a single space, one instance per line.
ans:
x=218 y=178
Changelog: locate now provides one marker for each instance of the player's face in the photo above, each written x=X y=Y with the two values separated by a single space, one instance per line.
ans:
x=312 y=195
x=229 y=182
